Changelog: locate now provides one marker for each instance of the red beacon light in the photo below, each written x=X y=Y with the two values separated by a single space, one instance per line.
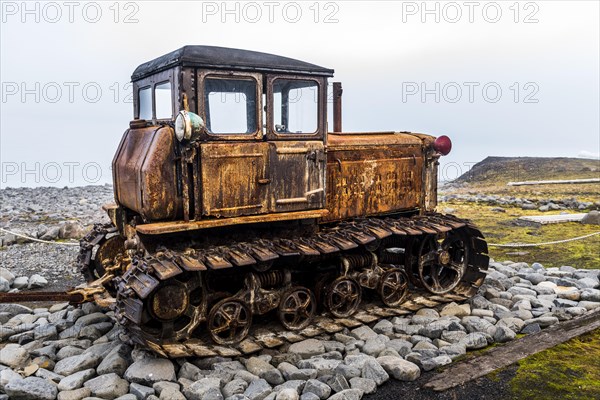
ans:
x=442 y=145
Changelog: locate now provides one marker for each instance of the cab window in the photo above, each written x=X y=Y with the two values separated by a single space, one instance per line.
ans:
x=162 y=100
x=230 y=105
x=295 y=106
x=145 y=102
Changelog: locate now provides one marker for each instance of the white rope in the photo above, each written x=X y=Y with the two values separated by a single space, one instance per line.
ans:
x=39 y=240
x=543 y=244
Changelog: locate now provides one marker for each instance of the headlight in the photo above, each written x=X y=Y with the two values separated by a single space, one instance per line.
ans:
x=188 y=125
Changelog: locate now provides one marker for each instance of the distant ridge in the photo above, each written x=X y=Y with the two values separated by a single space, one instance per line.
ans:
x=501 y=170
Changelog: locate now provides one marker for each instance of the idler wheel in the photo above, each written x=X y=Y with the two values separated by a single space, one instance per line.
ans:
x=442 y=263
x=175 y=308
x=229 y=321
x=393 y=287
x=343 y=297
x=297 y=308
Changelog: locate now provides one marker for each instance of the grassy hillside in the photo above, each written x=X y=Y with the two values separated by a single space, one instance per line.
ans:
x=491 y=176
x=501 y=170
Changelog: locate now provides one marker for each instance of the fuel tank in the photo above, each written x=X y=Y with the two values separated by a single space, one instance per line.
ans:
x=144 y=173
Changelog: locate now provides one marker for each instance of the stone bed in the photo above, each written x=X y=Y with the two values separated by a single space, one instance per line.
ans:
x=74 y=353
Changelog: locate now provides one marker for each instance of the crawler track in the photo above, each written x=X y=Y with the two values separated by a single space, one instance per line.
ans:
x=181 y=300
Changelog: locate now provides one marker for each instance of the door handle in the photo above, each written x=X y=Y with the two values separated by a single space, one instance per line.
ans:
x=264 y=181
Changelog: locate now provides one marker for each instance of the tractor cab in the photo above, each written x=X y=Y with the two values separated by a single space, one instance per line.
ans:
x=240 y=133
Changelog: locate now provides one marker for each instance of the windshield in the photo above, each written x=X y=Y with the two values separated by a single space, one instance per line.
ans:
x=230 y=105
x=295 y=106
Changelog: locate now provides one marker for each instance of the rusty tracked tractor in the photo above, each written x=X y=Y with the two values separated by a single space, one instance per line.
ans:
x=234 y=201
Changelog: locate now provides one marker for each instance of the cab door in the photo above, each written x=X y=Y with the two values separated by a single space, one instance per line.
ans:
x=298 y=175
x=295 y=135
x=234 y=158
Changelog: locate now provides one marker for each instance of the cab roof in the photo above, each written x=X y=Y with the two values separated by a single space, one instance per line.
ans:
x=227 y=58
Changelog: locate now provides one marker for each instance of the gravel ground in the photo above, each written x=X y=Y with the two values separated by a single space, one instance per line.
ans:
x=62 y=352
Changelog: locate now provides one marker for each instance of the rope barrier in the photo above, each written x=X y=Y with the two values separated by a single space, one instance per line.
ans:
x=543 y=244
x=39 y=240
x=508 y=245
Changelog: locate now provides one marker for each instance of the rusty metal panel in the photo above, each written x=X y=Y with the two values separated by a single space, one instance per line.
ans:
x=234 y=178
x=373 y=174
x=144 y=173
x=297 y=175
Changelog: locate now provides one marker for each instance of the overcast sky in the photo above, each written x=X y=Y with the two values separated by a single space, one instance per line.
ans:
x=499 y=78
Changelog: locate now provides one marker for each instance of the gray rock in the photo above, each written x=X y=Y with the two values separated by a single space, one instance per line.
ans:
x=76 y=394
x=516 y=290
x=164 y=385
x=535 y=278
x=543 y=322
x=564 y=303
x=259 y=389
x=204 y=388
x=337 y=383
x=372 y=369
x=116 y=361
x=31 y=388
x=431 y=363
x=171 y=394
x=453 y=336
x=307 y=348
x=4 y=285
x=76 y=380
x=70 y=365
x=400 y=369
x=347 y=371
x=591 y=218
x=108 y=386
x=373 y=347
x=322 y=365
x=37 y=281
x=473 y=341
x=384 y=327
x=150 y=371
x=456 y=310
x=14 y=309
x=363 y=333
x=401 y=346
x=14 y=356
x=287 y=394
x=236 y=386
x=7 y=275
x=531 y=328
x=588 y=283
x=348 y=394
x=264 y=370
x=68 y=351
x=504 y=334
x=318 y=388
x=454 y=350
x=7 y=375
x=309 y=396
x=190 y=371
x=589 y=305
x=368 y=386
x=476 y=324
x=141 y=392
x=21 y=282
x=590 y=294
x=515 y=324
